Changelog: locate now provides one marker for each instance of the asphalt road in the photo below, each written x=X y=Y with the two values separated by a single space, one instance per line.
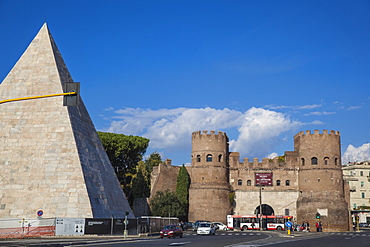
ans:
x=221 y=239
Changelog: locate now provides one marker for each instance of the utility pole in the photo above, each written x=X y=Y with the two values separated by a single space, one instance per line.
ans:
x=260 y=208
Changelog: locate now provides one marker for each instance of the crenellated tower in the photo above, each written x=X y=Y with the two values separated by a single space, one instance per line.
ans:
x=320 y=179
x=209 y=173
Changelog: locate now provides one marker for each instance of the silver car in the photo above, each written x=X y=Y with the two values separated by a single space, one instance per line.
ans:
x=206 y=229
x=220 y=226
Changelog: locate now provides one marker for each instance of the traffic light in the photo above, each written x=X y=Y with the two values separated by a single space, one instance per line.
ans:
x=357 y=217
x=318 y=216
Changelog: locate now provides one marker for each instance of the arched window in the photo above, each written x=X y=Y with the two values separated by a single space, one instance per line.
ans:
x=287 y=182
x=220 y=158
x=302 y=161
x=326 y=161
x=336 y=161
x=249 y=183
x=209 y=158
x=313 y=161
x=278 y=182
x=198 y=158
x=240 y=182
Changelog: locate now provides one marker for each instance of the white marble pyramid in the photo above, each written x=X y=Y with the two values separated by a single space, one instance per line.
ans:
x=51 y=158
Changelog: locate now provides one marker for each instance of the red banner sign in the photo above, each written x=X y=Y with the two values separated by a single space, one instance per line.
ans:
x=263 y=179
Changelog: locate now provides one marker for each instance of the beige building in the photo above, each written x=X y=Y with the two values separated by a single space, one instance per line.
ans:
x=358 y=177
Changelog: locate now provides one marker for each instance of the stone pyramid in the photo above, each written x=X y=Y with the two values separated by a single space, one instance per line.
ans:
x=51 y=158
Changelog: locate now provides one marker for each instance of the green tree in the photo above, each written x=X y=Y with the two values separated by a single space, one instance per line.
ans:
x=124 y=153
x=140 y=187
x=154 y=160
x=166 y=204
x=140 y=183
x=182 y=190
x=281 y=159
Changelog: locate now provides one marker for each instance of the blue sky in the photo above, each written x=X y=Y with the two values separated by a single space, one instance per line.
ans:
x=259 y=70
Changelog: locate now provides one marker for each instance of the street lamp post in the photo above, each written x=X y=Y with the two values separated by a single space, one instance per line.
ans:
x=260 y=208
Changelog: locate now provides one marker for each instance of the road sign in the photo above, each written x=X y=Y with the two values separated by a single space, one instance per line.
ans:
x=288 y=224
x=40 y=213
x=263 y=178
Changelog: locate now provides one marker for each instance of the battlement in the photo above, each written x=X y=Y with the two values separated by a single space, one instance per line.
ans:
x=211 y=135
x=266 y=163
x=316 y=132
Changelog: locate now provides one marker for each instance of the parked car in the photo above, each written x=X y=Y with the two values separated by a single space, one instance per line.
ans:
x=298 y=228
x=196 y=224
x=171 y=231
x=206 y=228
x=220 y=226
x=188 y=226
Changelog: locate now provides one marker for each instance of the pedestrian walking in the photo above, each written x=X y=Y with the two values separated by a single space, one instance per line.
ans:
x=319 y=226
x=306 y=226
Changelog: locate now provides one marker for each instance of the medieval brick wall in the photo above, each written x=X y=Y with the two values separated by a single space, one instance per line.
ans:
x=164 y=177
x=298 y=188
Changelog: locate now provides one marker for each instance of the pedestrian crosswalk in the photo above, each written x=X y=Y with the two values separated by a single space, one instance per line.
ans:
x=351 y=234
x=284 y=234
x=229 y=234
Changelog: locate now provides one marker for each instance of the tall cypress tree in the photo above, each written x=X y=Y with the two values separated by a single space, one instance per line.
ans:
x=182 y=190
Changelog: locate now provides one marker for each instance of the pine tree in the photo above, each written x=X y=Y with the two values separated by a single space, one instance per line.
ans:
x=140 y=187
x=166 y=204
x=182 y=190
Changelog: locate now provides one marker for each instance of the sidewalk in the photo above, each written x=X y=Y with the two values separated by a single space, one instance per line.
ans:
x=71 y=240
x=294 y=234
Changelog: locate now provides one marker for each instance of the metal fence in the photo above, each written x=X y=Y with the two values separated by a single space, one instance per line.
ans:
x=23 y=228
x=152 y=224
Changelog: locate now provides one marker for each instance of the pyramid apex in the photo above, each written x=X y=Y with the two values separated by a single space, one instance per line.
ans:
x=45 y=25
x=40 y=64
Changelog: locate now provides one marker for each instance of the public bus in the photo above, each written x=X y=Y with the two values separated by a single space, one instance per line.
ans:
x=252 y=222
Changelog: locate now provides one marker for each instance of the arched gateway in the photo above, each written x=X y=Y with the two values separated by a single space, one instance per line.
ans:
x=266 y=210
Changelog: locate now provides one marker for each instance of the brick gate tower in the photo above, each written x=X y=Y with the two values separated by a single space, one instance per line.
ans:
x=209 y=173
x=320 y=179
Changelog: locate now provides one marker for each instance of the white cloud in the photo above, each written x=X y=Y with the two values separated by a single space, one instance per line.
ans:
x=353 y=154
x=318 y=113
x=272 y=155
x=108 y=109
x=277 y=107
x=297 y=107
x=176 y=132
x=307 y=107
x=354 y=108
x=134 y=121
x=258 y=130
x=316 y=122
